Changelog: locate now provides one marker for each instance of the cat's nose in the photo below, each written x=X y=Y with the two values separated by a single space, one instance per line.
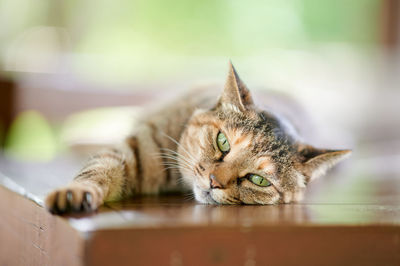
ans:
x=214 y=182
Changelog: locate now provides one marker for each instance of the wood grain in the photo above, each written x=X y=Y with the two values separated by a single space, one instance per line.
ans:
x=29 y=235
x=275 y=245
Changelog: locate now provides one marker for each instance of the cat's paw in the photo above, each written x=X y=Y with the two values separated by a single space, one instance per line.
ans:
x=76 y=198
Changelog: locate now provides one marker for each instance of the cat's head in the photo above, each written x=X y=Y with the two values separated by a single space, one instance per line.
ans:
x=236 y=153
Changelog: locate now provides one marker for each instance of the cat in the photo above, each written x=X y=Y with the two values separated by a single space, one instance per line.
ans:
x=225 y=150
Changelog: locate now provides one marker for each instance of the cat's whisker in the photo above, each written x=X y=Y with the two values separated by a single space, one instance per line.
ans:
x=177 y=163
x=180 y=181
x=175 y=159
x=174 y=153
x=175 y=156
x=172 y=168
x=177 y=166
x=171 y=152
x=180 y=167
x=179 y=145
x=171 y=156
x=179 y=157
x=189 y=196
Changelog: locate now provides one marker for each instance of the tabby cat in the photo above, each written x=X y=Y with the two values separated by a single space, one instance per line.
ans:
x=224 y=150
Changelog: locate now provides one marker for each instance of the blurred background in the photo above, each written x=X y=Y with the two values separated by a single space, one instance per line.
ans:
x=72 y=70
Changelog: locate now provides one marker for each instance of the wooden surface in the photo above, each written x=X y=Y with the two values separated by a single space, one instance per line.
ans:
x=350 y=218
x=29 y=235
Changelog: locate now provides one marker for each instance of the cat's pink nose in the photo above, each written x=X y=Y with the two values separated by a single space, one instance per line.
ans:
x=214 y=182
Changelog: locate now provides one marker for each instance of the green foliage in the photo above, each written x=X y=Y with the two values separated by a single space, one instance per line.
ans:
x=341 y=21
x=31 y=138
x=226 y=28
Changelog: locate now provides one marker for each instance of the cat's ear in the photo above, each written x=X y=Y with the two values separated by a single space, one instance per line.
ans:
x=315 y=162
x=236 y=95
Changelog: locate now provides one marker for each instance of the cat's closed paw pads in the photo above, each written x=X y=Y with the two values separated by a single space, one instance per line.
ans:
x=72 y=199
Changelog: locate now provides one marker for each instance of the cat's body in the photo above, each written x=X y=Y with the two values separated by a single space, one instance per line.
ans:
x=225 y=150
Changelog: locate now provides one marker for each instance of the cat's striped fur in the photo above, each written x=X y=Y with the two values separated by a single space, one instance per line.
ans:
x=144 y=163
x=179 y=141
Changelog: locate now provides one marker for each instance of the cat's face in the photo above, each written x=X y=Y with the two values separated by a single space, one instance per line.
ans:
x=236 y=153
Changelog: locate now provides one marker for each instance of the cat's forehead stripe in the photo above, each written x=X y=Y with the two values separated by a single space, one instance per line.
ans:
x=266 y=164
x=239 y=139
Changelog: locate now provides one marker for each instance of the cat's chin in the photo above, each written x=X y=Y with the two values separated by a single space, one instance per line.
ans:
x=203 y=196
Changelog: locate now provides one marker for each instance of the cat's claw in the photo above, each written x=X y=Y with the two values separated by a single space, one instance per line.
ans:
x=73 y=199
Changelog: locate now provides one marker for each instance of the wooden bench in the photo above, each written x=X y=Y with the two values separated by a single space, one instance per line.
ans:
x=348 y=218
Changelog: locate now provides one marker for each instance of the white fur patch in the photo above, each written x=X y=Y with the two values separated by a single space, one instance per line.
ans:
x=321 y=170
x=231 y=107
x=301 y=180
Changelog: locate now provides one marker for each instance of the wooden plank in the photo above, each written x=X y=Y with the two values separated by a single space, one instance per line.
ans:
x=29 y=235
x=348 y=217
x=276 y=245
x=170 y=231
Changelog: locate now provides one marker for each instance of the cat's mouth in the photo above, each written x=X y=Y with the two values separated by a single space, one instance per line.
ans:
x=209 y=198
x=204 y=196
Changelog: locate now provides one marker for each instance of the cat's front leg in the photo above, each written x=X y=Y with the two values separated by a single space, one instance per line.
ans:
x=110 y=175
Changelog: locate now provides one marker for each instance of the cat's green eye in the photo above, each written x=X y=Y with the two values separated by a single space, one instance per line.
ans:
x=259 y=180
x=222 y=142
